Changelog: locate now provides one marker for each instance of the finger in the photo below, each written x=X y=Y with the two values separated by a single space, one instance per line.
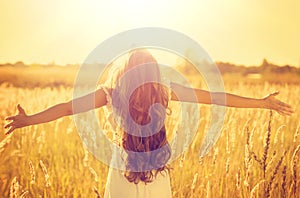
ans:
x=283 y=104
x=280 y=109
x=289 y=108
x=288 y=112
x=21 y=110
x=285 y=112
x=10 y=118
x=8 y=125
x=275 y=93
x=285 y=107
x=281 y=112
x=10 y=130
x=291 y=111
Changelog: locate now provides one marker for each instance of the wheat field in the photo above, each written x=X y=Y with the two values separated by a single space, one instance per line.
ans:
x=257 y=154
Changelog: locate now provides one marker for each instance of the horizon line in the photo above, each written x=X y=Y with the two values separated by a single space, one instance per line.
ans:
x=53 y=63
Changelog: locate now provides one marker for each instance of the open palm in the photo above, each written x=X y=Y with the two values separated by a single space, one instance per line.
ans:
x=18 y=121
x=272 y=103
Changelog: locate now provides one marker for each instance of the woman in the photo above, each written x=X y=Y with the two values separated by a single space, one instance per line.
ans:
x=145 y=175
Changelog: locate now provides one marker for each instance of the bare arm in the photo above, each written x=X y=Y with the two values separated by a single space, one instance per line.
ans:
x=85 y=103
x=186 y=94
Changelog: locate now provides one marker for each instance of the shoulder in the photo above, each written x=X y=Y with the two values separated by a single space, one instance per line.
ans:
x=107 y=90
x=104 y=92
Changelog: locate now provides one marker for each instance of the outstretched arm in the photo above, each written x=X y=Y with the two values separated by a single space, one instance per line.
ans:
x=85 y=103
x=186 y=94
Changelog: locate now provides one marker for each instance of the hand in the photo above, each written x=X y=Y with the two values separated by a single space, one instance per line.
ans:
x=272 y=103
x=18 y=121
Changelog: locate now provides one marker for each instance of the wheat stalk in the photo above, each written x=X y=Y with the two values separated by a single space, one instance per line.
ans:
x=227 y=165
x=96 y=192
x=296 y=133
x=25 y=194
x=194 y=184
x=5 y=142
x=266 y=147
x=194 y=181
x=238 y=179
x=216 y=152
x=271 y=160
x=294 y=169
x=277 y=133
x=32 y=172
x=269 y=186
x=208 y=190
x=41 y=141
x=14 y=188
x=46 y=175
x=247 y=158
x=86 y=158
x=256 y=158
x=283 y=185
x=254 y=189
x=94 y=174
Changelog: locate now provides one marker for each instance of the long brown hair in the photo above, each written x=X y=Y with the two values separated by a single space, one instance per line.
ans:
x=142 y=167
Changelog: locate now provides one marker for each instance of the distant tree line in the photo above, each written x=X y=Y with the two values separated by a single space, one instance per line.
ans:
x=264 y=68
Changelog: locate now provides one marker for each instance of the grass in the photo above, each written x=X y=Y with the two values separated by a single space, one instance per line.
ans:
x=256 y=155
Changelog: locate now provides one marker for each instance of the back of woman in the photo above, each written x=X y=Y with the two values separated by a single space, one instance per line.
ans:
x=138 y=100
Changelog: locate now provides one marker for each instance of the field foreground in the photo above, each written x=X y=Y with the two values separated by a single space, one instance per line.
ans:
x=256 y=155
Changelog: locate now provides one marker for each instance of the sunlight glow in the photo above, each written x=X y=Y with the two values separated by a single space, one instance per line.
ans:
x=67 y=31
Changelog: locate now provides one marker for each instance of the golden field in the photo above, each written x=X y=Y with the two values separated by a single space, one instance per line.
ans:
x=255 y=156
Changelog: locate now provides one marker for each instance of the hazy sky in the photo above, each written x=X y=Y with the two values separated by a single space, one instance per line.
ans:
x=65 y=31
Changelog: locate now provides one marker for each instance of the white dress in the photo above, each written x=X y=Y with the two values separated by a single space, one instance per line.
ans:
x=117 y=186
